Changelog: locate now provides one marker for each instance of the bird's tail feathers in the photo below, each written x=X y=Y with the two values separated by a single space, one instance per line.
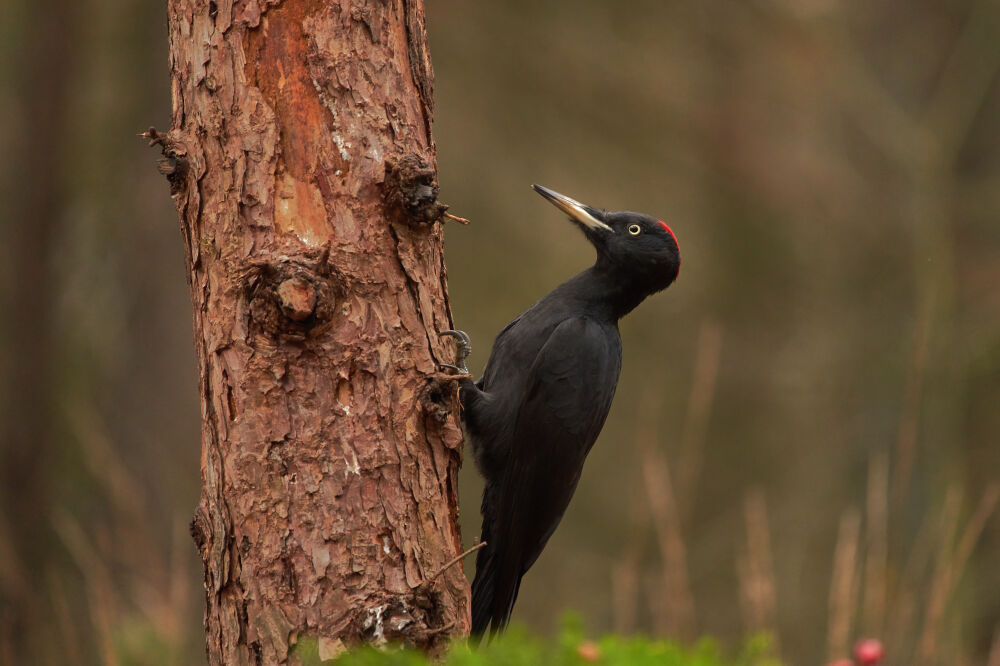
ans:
x=482 y=588
x=494 y=589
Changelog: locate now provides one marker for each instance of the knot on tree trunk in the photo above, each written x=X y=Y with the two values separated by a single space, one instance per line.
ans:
x=411 y=190
x=439 y=399
x=173 y=164
x=290 y=300
x=297 y=298
x=394 y=621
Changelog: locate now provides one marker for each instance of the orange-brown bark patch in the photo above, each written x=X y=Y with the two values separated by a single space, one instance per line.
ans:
x=277 y=63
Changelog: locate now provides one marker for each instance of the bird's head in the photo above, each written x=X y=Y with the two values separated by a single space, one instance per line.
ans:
x=632 y=246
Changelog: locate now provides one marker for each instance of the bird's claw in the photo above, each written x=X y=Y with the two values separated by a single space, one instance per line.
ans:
x=463 y=338
x=463 y=347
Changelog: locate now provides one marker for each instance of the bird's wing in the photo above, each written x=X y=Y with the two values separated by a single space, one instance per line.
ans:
x=489 y=373
x=567 y=397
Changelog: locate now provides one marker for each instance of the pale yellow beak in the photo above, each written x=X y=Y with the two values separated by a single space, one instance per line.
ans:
x=573 y=208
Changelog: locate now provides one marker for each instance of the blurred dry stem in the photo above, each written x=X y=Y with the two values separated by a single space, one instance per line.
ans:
x=755 y=565
x=67 y=628
x=909 y=420
x=129 y=580
x=706 y=371
x=13 y=576
x=677 y=610
x=994 y=657
x=627 y=568
x=901 y=618
x=101 y=597
x=951 y=562
x=105 y=464
x=843 y=586
x=965 y=81
x=877 y=545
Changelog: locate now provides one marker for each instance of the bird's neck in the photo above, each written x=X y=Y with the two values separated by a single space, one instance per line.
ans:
x=604 y=294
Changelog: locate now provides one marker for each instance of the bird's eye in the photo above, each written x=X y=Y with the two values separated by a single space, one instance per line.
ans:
x=634 y=229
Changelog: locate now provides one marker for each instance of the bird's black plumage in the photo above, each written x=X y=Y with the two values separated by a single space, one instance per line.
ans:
x=546 y=391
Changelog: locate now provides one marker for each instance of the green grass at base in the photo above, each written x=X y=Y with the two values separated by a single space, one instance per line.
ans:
x=569 y=648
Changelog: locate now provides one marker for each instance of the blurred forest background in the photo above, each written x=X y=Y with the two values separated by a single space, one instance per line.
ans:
x=806 y=436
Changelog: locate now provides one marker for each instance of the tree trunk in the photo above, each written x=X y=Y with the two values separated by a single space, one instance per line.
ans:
x=302 y=165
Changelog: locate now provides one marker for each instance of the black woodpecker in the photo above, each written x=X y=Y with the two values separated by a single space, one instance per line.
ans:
x=546 y=391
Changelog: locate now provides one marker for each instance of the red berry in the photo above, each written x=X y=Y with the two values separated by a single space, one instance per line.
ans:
x=868 y=652
x=841 y=662
x=588 y=651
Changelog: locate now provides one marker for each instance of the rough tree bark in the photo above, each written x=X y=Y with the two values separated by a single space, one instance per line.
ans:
x=302 y=165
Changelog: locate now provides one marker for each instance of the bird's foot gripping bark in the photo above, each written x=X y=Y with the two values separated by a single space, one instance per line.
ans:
x=463 y=347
